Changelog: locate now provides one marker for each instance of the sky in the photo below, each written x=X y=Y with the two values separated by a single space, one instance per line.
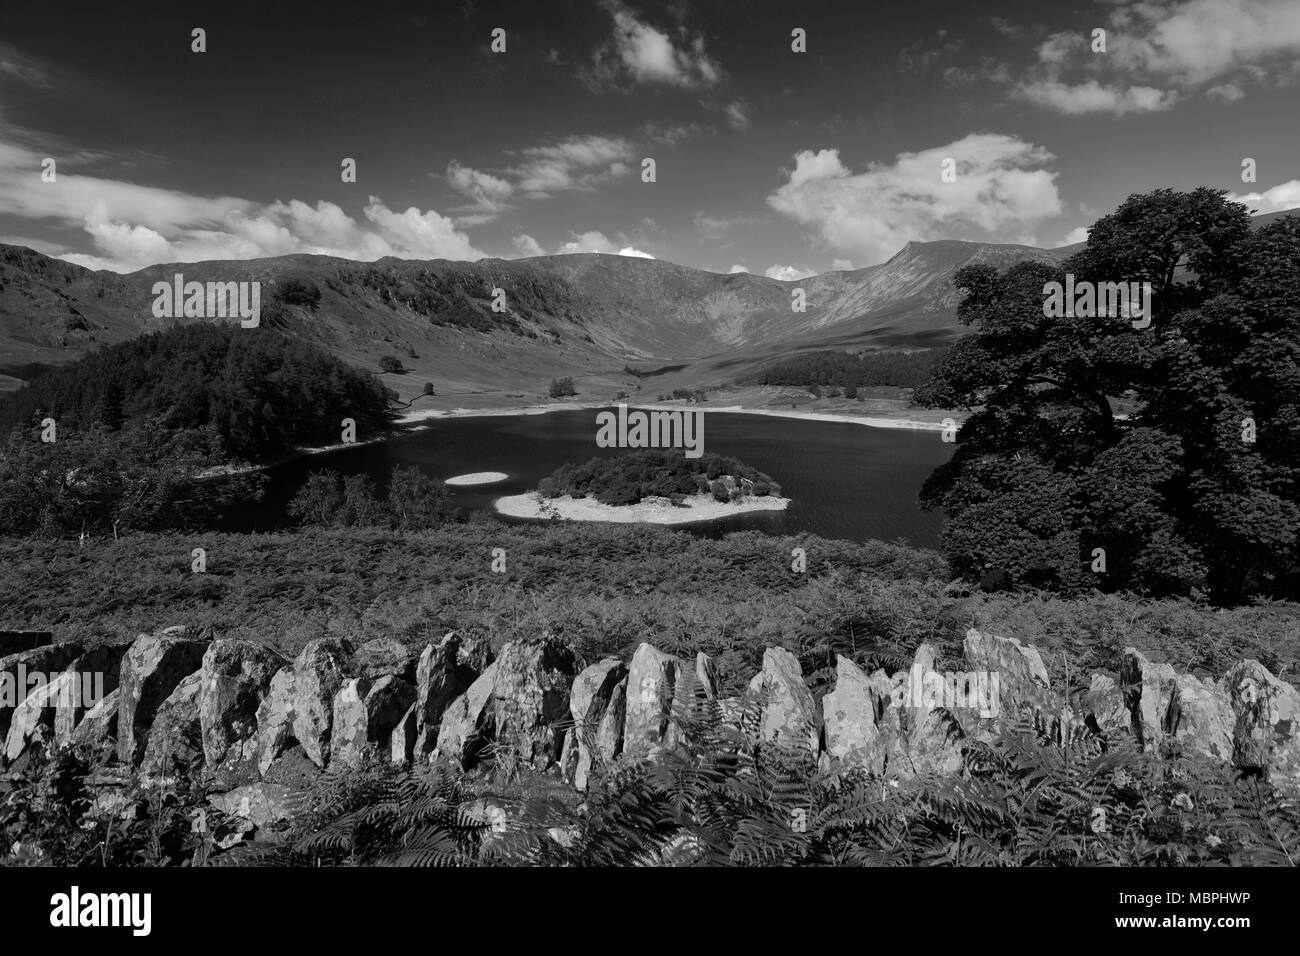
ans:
x=766 y=159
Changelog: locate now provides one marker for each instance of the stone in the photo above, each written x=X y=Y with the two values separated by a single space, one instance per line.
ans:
x=849 y=718
x=33 y=719
x=275 y=717
x=531 y=699
x=468 y=723
x=1266 y=722
x=293 y=768
x=152 y=668
x=99 y=725
x=589 y=699
x=608 y=743
x=788 y=714
x=173 y=750
x=402 y=742
x=100 y=670
x=1147 y=690
x=442 y=675
x=318 y=672
x=261 y=804
x=385 y=657
x=1021 y=676
x=16 y=669
x=1200 y=717
x=651 y=688
x=1104 y=702
x=234 y=678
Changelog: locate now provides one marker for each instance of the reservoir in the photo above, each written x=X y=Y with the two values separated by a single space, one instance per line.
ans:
x=846 y=480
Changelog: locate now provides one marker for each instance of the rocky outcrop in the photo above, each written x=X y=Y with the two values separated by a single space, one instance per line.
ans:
x=152 y=668
x=788 y=715
x=589 y=701
x=531 y=699
x=851 y=715
x=233 y=681
x=651 y=688
x=1266 y=722
x=444 y=672
x=318 y=672
x=1147 y=690
x=16 y=670
x=384 y=657
x=468 y=723
x=365 y=715
x=173 y=749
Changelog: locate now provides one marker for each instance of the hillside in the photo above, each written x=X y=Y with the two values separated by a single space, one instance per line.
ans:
x=585 y=315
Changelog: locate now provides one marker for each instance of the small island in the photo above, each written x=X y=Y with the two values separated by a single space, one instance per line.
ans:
x=659 y=487
x=476 y=478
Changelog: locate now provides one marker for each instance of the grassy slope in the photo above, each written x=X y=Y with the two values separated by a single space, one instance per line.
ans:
x=604 y=590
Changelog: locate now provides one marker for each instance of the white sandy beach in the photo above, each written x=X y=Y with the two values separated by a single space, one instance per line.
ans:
x=702 y=507
x=476 y=478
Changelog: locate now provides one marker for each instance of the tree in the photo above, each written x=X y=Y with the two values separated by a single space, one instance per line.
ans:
x=562 y=387
x=428 y=389
x=1048 y=485
x=390 y=363
x=416 y=501
x=850 y=391
x=319 y=502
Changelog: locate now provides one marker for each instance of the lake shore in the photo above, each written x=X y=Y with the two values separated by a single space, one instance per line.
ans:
x=872 y=421
x=701 y=507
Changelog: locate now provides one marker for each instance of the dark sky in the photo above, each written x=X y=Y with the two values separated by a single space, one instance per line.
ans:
x=767 y=159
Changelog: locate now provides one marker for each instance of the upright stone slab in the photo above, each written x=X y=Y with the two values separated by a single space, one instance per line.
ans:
x=788 y=714
x=651 y=686
x=589 y=699
x=234 y=678
x=531 y=699
x=1147 y=690
x=1266 y=722
x=152 y=668
x=442 y=675
x=468 y=723
x=319 y=671
x=849 y=716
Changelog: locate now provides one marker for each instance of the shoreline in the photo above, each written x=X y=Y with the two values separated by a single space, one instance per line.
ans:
x=698 y=508
x=413 y=421
x=871 y=421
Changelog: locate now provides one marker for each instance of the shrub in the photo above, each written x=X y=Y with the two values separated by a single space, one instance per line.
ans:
x=390 y=363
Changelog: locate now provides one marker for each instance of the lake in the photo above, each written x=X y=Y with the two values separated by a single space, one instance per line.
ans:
x=845 y=480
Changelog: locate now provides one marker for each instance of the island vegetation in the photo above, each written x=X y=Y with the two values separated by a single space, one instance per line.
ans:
x=633 y=476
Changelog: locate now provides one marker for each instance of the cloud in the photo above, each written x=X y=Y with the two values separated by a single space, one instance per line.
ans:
x=842 y=265
x=1282 y=196
x=640 y=53
x=527 y=246
x=595 y=241
x=23 y=67
x=737 y=115
x=1092 y=97
x=1158 y=51
x=735 y=269
x=576 y=163
x=488 y=194
x=1077 y=234
x=919 y=55
x=868 y=216
x=788 y=273
x=131 y=226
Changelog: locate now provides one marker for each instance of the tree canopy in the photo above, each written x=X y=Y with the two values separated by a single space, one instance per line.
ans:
x=1198 y=484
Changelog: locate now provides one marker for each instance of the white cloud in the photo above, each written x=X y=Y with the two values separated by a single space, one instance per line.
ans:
x=788 y=273
x=595 y=241
x=642 y=53
x=576 y=163
x=737 y=115
x=868 y=216
x=1092 y=97
x=488 y=193
x=842 y=265
x=132 y=226
x=1282 y=196
x=736 y=268
x=1077 y=234
x=1157 y=51
x=527 y=246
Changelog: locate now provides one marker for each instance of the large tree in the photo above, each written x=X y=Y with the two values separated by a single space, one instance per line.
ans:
x=1168 y=454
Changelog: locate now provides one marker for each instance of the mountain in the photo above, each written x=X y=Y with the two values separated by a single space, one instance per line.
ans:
x=588 y=316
